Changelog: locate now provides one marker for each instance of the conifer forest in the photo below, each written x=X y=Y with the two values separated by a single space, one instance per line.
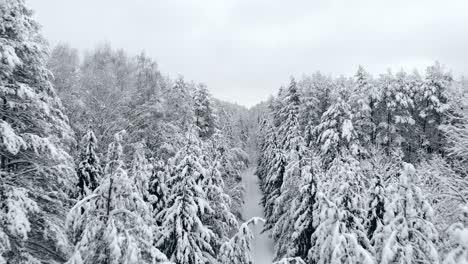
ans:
x=106 y=159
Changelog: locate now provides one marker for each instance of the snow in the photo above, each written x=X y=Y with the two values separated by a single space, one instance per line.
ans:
x=262 y=244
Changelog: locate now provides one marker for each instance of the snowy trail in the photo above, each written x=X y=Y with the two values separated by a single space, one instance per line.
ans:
x=262 y=244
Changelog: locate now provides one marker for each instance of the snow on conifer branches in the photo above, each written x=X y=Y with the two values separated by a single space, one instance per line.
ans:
x=105 y=159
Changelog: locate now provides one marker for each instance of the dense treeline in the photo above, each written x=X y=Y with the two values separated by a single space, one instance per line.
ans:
x=366 y=170
x=106 y=160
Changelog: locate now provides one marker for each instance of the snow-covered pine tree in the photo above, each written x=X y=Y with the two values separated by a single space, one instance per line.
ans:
x=272 y=185
x=292 y=146
x=363 y=102
x=335 y=133
x=458 y=233
x=266 y=146
x=158 y=190
x=432 y=106
x=314 y=95
x=113 y=224
x=340 y=235
x=221 y=220
x=379 y=170
x=184 y=237
x=36 y=172
x=89 y=169
x=407 y=236
x=141 y=170
x=205 y=118
x=289 y=131
x=239 y=248
x=225 y=163
x=178 y=104
x=395 y=111
x=302 y=211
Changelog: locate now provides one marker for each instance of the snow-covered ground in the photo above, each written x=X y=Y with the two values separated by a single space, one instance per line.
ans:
x=262 y=244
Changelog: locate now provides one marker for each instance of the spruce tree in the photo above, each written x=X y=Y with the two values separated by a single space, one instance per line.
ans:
x=335 y=133
x=37 y=173
x=340 y=235
x=184 y=236
x=205 y=119
x=458 y=233
x=363 y=101
x=114 y=223
x=89 y=169
x=221 y=220
x=302 y=211
x=432 y=106
x=238 y=249
x=158 y=190
x=407 y=235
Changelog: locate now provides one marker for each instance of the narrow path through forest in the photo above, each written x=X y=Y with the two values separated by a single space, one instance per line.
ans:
x=262 y=244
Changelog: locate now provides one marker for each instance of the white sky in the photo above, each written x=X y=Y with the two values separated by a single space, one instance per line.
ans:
x=245 y=49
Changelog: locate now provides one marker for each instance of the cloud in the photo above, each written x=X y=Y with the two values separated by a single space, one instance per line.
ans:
x=245 y=49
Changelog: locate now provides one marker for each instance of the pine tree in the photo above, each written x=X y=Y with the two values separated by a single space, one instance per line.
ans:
x=272 y=185
x=238 y=249
x=184 y=237
x=395 y=108
x=293 y=148
x=407 y=236
x=158 y=190
x=141 y=171
x=113 y=224
x=302 y=212
x=433 y=104
x=363 y=100
x=335 y=133
x=459 y=236
x=222 y=221
x=179 y=105
x=379 y=170
x=340 y=236
x=89 y=169
x=36 y=172
x=205 y=119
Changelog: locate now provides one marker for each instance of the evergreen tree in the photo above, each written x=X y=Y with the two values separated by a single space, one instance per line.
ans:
x=237 y=250
x=340 y=236
x=36 y=172
x=179 y=105
x=459 y=236
x=407 y=236
x=395 y=109
x=272 y=186
x=302 y=212
x=205 y=119
x=113 y=224
x=222 y=221
x=432 y=105
x=379 y=170
x=158 y=190
x=335 y=133
x=184 y=237
x=141 y=170
x=363 y=100
x=89 y=169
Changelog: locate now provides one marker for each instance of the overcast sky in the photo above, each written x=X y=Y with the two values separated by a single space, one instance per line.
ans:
x=245 y=49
